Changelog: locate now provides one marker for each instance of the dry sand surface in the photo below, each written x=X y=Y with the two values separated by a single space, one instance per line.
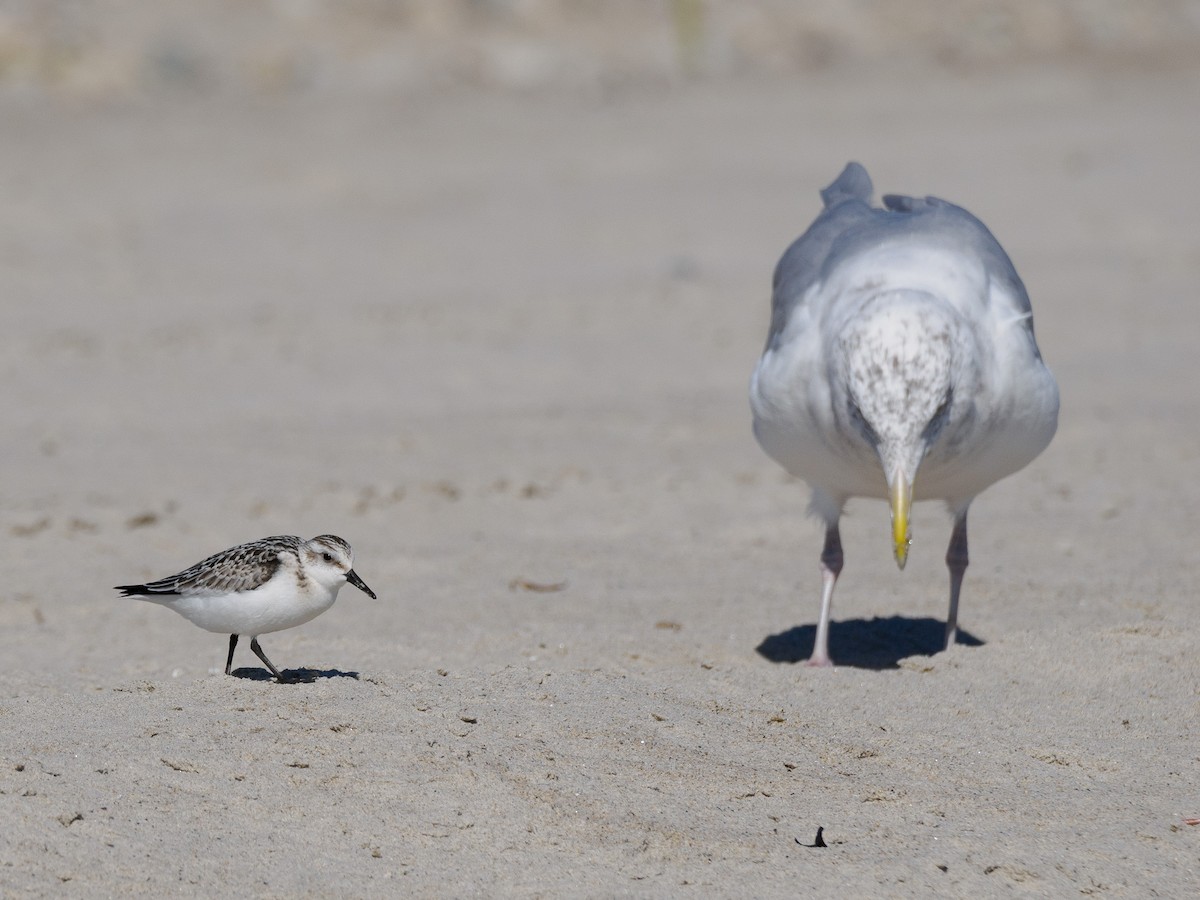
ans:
x=500 y=342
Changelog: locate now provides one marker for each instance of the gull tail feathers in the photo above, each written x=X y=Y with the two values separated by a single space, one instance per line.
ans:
x=853 y=184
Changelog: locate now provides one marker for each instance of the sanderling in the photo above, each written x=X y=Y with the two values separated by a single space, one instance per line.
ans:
x=256 y=588
x=900 y=364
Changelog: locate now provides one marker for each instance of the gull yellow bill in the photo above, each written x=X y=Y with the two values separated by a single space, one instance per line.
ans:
x=901 y=506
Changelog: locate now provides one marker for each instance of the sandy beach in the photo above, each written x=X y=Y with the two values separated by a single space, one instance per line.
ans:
x=500 y=341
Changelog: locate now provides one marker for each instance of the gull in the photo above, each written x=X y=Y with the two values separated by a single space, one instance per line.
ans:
x=256 y=588
x=900 y=365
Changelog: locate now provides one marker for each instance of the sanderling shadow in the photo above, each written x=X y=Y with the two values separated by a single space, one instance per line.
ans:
x=293 y=676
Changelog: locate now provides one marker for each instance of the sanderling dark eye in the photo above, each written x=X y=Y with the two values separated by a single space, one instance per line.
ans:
x=328 y=557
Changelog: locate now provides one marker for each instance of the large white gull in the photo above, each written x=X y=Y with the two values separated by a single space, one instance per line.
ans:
x=900 y=364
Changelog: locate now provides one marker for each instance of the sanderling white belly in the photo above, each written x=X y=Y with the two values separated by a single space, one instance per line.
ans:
x=256 y=588
x=900 y=364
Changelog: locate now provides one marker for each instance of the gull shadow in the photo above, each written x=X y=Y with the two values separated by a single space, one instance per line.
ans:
x=293 y=676
x=865 y=643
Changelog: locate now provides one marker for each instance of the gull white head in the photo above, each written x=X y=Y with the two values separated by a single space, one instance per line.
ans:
x=329 y=561
x=903 y=357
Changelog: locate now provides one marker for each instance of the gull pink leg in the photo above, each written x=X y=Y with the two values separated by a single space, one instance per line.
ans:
x=831 y=567
x=956 y=561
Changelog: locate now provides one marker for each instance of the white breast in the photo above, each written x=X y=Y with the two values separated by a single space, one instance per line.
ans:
x=280 y=603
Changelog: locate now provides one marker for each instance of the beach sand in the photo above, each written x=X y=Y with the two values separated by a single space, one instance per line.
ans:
x=500 y=342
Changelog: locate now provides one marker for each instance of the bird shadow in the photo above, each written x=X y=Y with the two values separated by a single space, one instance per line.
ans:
x=865 y=643
x=293 y=676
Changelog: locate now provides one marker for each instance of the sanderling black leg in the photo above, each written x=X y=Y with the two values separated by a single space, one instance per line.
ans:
x=232 y=644
x=270 y=665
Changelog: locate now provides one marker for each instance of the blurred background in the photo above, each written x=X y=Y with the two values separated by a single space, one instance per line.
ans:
x=112 y=48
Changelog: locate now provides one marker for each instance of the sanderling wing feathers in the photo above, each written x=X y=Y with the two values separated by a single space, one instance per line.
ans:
x=241 y=568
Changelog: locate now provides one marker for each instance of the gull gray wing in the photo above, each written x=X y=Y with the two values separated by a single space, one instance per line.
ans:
x=849 y=225
x=943 y=220
x=847 y=204
x=241 y=568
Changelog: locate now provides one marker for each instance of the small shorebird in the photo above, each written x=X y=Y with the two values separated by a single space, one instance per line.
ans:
x=900 y=364
x=257 y=588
